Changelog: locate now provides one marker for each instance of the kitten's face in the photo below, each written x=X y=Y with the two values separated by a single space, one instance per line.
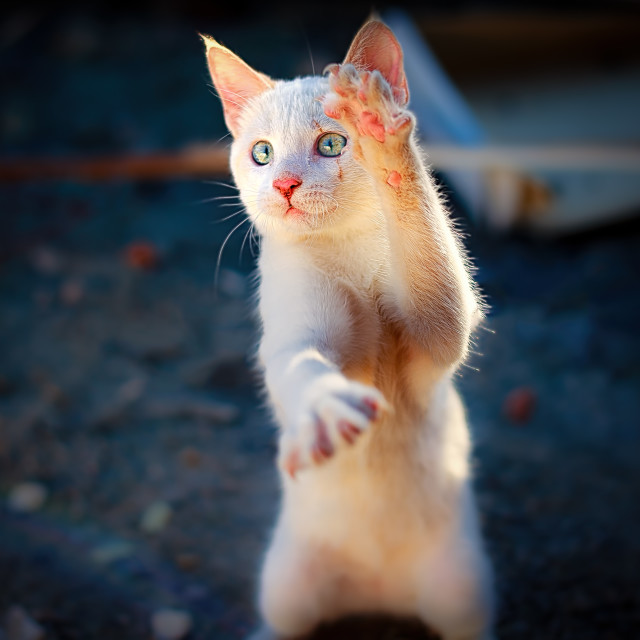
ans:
x=293 y=165
x=293 y=175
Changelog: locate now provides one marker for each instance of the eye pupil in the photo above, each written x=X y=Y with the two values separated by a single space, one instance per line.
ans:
x=331 y=144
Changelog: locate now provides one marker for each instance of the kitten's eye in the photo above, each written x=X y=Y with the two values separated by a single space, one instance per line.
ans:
x=331 y=144
x=262 y=152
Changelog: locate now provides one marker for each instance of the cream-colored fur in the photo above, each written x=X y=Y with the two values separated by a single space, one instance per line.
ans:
x=367 y=308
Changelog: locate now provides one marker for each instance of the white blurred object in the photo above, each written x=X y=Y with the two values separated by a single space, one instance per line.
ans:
x=529 y=165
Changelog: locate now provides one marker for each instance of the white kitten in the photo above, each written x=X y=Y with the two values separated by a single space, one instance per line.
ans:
x=367 y=308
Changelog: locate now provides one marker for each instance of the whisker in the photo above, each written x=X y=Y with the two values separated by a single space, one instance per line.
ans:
x=313 y=66
x=226 y=135
x=221 y=184
x=219 y=260
x=233 y=215
x=244 y=240
x=235 y=196
x=214 y=199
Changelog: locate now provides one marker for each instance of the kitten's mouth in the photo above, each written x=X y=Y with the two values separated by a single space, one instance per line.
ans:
x=293 y=211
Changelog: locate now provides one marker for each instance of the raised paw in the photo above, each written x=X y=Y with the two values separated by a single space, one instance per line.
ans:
x=366 y=105
x=334 y=413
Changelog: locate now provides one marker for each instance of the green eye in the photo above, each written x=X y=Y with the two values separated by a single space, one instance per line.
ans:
x=262 y=152
x=331 y=144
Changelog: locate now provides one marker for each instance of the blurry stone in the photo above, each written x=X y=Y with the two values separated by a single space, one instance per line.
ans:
x=71 y=292
x=46 y=261
x=27 y=497
x=142 y=255
x=190 y=457
x=111 y=552
x=188 y=561
x=51 y=393
x=114 y=410
x=191 y=406
x=20 y=626
x=131 y=390
x=156 y=517
x=519 y=404
x=232 y=283
x=54 y=395
x=171 y=624
x=154 y=339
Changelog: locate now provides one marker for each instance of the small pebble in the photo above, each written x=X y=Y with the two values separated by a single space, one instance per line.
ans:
x=188 y=561
x=111 y=552
x=46 y=261
x=54 y=395
x=141 y=255
x=155 y=517
x=190 y=457
x=71 y=292
x=27 y=497
x=20 y=626
x=519 y=405
x=171 y=624
x=131 y=390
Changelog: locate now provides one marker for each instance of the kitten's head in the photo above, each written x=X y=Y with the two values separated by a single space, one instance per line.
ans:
x=294 y=166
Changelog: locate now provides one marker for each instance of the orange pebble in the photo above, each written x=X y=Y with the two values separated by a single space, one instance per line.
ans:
x=141 y=255
x=519 y=405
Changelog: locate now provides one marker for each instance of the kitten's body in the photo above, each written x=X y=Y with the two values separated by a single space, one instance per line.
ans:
x=366 y=308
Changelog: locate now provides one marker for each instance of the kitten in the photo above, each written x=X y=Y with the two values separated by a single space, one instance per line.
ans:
x=367 y=308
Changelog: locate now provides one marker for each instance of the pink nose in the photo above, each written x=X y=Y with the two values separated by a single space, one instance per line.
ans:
x=287 y=184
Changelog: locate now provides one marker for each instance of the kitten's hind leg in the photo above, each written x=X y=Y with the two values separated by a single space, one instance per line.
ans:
x=455 y=583
x=291 y=587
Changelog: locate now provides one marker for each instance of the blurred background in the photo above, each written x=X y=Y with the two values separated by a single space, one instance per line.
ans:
x=137 y=484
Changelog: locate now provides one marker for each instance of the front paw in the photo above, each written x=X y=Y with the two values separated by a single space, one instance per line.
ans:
x=334 y=413
x=368 y=108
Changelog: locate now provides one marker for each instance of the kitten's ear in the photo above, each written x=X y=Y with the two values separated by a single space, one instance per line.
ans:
x=235 y=81
x=375 y=47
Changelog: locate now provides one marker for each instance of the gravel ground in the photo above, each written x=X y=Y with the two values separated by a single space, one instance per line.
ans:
x=136 y=460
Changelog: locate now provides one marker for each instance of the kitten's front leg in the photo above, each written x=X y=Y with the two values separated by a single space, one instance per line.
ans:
x=429 y=284
x=332 y=412
x=319 y=409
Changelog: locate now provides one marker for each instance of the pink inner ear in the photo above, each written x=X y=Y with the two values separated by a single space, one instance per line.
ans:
x=235 y=81
x=375 y=47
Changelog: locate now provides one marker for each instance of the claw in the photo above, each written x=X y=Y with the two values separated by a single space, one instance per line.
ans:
x=348 y=431
x=372 y=408
x=323 y=442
